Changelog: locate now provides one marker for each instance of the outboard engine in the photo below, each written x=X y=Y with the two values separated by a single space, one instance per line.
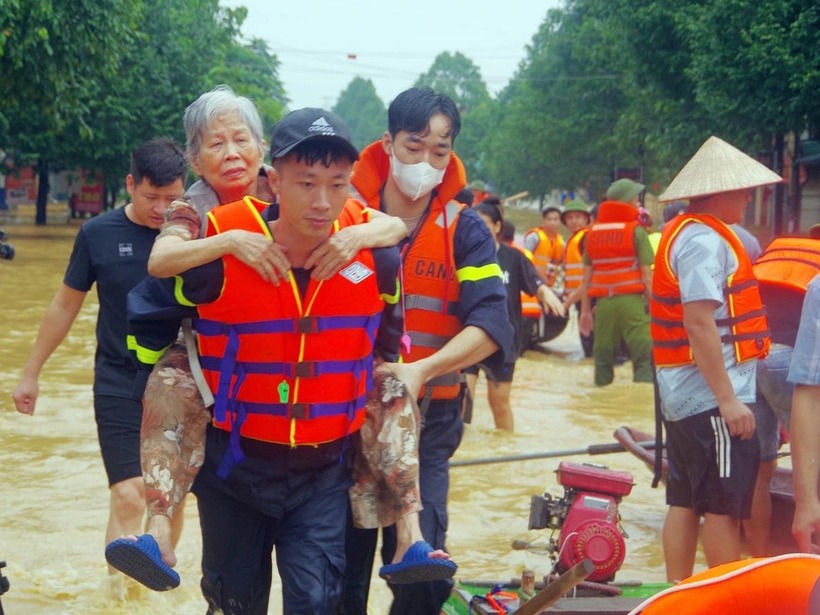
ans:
x=587 y=517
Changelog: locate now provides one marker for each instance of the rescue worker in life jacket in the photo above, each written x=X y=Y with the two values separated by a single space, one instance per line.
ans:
x=289 y=365
x=708 y=331
x=455 y=316
x=617 y=274
x=547 y=246
x=576 y=218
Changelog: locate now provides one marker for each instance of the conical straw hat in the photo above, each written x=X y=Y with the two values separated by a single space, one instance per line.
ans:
x=718 y=167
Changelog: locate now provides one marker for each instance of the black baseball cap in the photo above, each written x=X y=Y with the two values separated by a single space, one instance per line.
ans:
x=310 y=123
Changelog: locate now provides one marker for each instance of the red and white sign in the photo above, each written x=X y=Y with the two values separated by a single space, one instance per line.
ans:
x=88 y=193
x=21 y=187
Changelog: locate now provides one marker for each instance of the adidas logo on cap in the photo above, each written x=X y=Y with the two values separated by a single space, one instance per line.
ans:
x=322 y=126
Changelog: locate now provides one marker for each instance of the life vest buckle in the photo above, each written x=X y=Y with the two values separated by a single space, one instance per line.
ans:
x=299 y=411
x=307 y=324
x=305 y=369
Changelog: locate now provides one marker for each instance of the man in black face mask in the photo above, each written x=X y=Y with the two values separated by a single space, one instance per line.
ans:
x=455 y=316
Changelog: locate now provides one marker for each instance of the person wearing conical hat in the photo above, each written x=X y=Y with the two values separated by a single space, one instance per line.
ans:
x=708 y=331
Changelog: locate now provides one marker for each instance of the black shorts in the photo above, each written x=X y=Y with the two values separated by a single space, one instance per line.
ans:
x=119 y=420
x=505 y=374
x=709 y=470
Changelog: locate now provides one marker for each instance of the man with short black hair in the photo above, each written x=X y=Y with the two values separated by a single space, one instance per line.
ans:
x=547 y=246
x=289 y=366
x=112 y=251
x=455 y=316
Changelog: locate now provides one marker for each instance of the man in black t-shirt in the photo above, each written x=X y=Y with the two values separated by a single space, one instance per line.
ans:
x=112 y=250
x=519 y=275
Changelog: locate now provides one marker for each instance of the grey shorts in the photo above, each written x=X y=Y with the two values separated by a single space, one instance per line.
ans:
x=774 y=398
x=772 y=384
x=767 y=428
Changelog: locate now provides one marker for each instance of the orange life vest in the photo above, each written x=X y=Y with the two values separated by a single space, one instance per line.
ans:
x=428 y=263
x=574 y=262
x=431 y=292
x=789 y=262
x=749 y=331
x=530 y=308
x=284 y=368
x=353 y=213
x=762 y=586
x=784 y=271
x=610 y=245
x=547 y=254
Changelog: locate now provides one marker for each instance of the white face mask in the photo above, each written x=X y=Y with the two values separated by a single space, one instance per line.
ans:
x=415 y=180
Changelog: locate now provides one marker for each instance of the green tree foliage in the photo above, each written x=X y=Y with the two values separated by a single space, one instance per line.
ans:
x=661 y=108
x=50 y=53
x=557 y=118
x=161 y=72
x=756 y=65
x=608 y=83
x=457 y=76
x=52 y=56
x=252 y=71
x=363 y=111
x=85 y=82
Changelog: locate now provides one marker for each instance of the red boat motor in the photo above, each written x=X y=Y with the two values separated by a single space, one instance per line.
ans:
x=587 y=516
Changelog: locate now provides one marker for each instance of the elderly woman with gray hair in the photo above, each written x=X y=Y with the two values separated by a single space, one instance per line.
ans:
x=225 y=146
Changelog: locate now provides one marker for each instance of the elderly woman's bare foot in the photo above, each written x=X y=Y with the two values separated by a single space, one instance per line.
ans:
x=408 y=532
x=159 y=526
x=437 y=554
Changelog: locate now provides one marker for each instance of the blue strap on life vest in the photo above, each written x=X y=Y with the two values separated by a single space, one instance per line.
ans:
x=304 y=369
x=239 y=413
x=234 y=453
x=210 y=328
x=303 y=411
x=228 y=367
x=305 y=324
x=226 y=372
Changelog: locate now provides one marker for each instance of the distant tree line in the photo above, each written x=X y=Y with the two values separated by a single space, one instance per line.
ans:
x=602 y=84
x=637 y=84
x=84 y=82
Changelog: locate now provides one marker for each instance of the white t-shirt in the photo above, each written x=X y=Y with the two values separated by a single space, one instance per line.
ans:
x=702 y=262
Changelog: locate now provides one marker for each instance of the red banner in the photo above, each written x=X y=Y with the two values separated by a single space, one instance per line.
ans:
x=88 y=194
x=21 y=187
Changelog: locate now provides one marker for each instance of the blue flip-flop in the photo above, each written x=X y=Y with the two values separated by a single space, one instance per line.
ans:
x=417 y=566
x=141 y=560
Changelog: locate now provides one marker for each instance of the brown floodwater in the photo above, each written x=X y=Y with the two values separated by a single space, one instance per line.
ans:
x=55 y=499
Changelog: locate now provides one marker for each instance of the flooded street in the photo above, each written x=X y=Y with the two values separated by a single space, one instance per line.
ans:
x=55 y=498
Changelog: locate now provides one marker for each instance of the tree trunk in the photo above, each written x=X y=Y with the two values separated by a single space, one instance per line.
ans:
x=795 y=187
x=111 y=200
x=779 y=201
x=42 y=192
